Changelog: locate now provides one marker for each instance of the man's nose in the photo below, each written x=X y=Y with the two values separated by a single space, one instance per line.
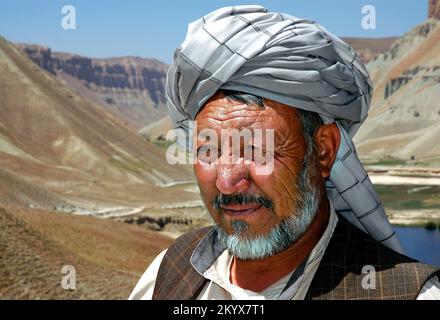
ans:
x=232 y=178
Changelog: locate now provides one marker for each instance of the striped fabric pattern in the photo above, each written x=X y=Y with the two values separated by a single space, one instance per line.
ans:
x=340 y=274
x=177 y=279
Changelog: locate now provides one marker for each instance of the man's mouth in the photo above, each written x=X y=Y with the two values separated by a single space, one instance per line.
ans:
x=240 y=210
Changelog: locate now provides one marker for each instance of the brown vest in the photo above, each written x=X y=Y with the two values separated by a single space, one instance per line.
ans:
x=339 y=275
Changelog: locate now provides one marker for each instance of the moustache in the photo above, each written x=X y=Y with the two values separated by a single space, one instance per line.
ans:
x=223 y=200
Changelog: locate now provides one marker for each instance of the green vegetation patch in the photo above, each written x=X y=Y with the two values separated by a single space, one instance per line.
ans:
x=388 y=162
x=126 y=165
x=409 y=197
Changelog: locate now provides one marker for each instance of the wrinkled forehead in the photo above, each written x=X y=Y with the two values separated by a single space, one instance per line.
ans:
x=228 y=117
x=222 y=112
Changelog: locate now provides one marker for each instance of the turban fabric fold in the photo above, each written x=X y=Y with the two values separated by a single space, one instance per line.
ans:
x=296 y=62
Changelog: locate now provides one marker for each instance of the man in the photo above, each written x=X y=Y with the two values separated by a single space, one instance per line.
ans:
x=312 y=227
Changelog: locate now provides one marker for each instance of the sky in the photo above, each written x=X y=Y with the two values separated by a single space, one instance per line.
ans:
x=153 y=29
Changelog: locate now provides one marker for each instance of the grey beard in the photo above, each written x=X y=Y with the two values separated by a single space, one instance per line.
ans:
x=286 y=232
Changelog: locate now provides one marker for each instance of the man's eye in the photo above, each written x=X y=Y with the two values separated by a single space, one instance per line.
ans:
x=248 y=153
x=207 y=154
x=263 y=155
x=260 y=151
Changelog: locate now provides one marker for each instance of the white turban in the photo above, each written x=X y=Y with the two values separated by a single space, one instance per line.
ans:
x=296 y=62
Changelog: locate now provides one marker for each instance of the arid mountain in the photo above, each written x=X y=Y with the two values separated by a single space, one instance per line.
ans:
x=130 y=87
x=434 y=9
x=57 y=148
x=404 y=120
x=157 y=130
x=63 y=157
x=108 y=256
x=369 y=48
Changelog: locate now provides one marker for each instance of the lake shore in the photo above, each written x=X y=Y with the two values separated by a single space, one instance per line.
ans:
x=417 y=179
x=413 y=218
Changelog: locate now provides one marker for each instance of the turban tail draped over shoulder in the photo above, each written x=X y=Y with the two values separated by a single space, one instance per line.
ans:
x=296 y=62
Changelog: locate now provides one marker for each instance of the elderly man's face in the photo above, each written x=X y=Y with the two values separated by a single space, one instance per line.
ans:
x=280 y=186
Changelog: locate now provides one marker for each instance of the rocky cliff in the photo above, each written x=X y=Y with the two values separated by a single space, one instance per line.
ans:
x=368 y=48
x=404 y=119
x=434 y=9
x=131 y=87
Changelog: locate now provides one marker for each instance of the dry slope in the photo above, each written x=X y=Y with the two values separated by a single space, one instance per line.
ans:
x=53 y=140
x=108 y=256
x=404 y=120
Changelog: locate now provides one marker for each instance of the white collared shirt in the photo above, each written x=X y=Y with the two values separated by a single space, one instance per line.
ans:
x=219 y=286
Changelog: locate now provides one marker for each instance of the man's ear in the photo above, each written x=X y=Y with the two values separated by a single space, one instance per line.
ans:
x=327 y=141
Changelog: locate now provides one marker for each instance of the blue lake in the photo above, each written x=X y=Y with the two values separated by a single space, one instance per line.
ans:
x=420 y=243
